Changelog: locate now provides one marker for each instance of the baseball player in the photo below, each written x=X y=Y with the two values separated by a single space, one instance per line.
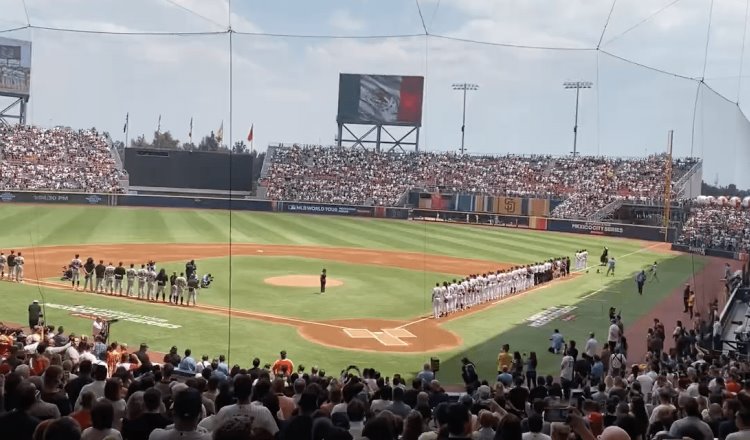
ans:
x=12 y=265
x=173 y=288
x=88 y=274
x=75 y=268
x=141 y=274
x=181 y=283
x=192 y=286
x=585 y=262
x=150 y=283
x=130 y=277
x=436 y=300
x=161 y=283
x=120 y=273
x=19 y=268
x=99 y=270
x=109 y=278
x=3 y=260
x=452 y=296
x=653 y=272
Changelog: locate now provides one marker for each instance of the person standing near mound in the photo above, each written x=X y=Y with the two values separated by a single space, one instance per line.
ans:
x=323 y=276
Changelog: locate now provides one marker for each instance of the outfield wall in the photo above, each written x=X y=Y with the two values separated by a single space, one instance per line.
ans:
x=742 y=256
x=243 y=204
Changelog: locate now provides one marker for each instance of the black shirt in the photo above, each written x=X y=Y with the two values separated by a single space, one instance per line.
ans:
x=18 y=425
x=99 y=270
x=140 y=428
x=161 y=279
x=190 y=269
x=73 y=388
x=89 y=267
x=11 y=260
x=34 y=312
x=59 y=399
x=119 y=272
x=172 y=280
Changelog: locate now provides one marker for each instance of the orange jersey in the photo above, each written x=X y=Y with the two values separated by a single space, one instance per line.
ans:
x=281 y=363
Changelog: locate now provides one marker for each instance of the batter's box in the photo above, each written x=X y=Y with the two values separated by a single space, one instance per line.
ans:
x=389 y=337
x=399 y=333
x=359 y=333
x=388 y=340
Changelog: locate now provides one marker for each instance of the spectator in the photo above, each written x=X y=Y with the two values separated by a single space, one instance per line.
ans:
x=187 y=411
x=102 y=417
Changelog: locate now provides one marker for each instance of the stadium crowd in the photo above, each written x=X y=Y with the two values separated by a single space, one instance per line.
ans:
x=717 y=227
x=55 y=386
x=58 y=159
x=358 y=176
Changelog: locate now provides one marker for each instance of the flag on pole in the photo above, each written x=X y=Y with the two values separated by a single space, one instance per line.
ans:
x=125 y=127
x=190 y=134
x=250 y=135
x=158 y=126
x=220 y=133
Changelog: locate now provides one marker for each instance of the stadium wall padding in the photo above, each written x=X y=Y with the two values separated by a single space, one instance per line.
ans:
x=742 y=256
x=472 y=203
x=242 y=204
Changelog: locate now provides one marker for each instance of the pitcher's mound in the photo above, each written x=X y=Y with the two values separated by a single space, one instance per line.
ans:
x=301 y=281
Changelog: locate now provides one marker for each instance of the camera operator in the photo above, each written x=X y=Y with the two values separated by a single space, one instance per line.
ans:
x=35 y=314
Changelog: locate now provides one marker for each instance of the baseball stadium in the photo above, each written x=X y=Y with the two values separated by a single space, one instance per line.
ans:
x=454 y=197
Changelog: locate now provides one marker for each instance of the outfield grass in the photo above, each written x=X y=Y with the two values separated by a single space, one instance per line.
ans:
x=368 y=291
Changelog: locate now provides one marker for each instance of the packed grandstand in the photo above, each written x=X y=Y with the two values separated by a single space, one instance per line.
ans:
x=57 y=385
x=63 y=159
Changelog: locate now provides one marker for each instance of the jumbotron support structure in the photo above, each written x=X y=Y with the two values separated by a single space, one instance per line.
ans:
x=15 y=80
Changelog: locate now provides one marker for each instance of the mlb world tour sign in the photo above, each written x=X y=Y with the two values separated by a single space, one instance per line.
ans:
x=93 y=312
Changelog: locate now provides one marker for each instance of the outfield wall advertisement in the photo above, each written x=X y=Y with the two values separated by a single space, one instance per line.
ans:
x=514 y=221
x=650 y=233
x=720 y=253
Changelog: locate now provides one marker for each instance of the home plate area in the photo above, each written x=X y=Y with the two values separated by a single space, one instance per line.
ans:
x=389 y=337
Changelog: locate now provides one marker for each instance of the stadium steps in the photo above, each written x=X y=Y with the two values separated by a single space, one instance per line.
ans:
x=606 y=211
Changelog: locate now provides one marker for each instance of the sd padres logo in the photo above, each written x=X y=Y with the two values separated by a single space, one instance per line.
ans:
x=510 y=205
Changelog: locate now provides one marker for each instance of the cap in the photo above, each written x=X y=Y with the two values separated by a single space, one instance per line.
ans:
x=144 y=345
x=283 y=352
x=36 y=301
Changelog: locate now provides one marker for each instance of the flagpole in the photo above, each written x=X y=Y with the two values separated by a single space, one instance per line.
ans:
x=127 y=128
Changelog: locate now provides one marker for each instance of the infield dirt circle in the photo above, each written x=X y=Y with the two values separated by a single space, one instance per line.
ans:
x=301 y=281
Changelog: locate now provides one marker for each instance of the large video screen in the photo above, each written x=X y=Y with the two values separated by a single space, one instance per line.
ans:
x=380 y=99
x=15 y=67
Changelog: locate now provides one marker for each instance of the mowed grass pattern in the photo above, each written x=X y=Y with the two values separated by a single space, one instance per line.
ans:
x=403 y=291
x=41 y=226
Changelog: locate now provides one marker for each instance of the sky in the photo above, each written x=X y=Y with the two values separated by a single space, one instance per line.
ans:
x=646 y=59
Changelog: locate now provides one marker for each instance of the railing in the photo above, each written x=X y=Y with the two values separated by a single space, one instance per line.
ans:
x=681 y=184
x=605 y=211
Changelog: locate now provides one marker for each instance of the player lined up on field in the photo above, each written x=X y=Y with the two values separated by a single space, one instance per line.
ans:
x=451 y=297
x=144 y=282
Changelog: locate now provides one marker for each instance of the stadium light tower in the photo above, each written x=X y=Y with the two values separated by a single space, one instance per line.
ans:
x=464 y=87
x=578 y=85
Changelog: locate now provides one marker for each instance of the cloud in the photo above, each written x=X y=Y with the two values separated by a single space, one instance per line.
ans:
x=343 y=20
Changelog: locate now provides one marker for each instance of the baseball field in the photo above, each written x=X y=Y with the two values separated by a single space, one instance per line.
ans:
x=381 y=272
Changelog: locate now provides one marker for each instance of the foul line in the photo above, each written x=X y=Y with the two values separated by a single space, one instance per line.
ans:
x=204 y=307
x=525 y=292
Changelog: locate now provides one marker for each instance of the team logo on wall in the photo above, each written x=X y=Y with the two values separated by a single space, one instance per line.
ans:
x=93 y=199
x=7 y=197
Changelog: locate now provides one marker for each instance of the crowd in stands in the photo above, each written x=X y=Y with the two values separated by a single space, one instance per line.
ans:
x=717 y=227
x=358 y=176
x=59 y=386
x=58 y=159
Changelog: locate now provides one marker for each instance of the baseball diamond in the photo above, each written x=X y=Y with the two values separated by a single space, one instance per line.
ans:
x=473 y=220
